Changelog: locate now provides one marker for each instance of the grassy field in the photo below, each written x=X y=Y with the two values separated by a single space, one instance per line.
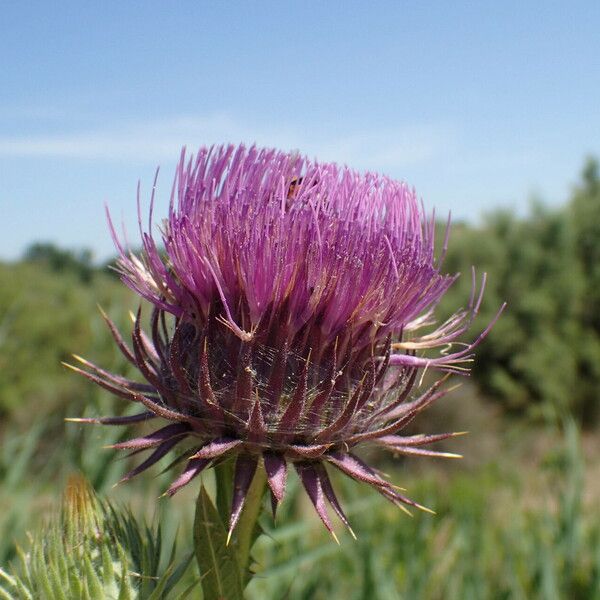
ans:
x=517 y=518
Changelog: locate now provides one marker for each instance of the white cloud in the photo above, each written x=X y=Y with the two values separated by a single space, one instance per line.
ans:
x=389 y=149
x=160 y=140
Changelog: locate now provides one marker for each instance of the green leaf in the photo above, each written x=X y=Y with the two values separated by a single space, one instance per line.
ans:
x=107 y=565
x=4 y=595
x=57 y=586
x=23 y=592
x=177 y=572
x=224 y=482
x=159 y=590
x=74 y=584
x=219 y=568
x=44 y=581
x=192 y=588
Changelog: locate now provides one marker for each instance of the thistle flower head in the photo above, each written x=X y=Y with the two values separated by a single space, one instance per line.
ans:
x=288 y=302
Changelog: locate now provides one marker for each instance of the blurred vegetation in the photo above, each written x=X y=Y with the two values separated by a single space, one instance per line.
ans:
x=542 y=359
x=46 y=313
x=484 y=542
x=499 y=533
x=512 y=523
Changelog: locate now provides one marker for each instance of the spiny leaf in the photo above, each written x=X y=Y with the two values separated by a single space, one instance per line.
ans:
x=161 y=587
x=43 y=575
x=4 y=595
x=22 y=591
x=125 y=591
x=178 y=572
x=193 y=587
x=77 y=557
x=107 y=565
x=55 y=579
x=95 y=585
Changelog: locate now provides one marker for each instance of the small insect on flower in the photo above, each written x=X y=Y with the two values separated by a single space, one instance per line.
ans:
x=288 y=302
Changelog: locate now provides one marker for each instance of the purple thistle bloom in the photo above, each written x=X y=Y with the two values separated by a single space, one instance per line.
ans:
x=288 y=304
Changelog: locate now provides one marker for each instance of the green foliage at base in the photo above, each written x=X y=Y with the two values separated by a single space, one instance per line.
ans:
x=45 y=316
x=495 y=536
x=93 y=552
x=542 y=359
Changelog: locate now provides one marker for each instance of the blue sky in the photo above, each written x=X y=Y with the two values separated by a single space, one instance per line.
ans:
x=478 y=105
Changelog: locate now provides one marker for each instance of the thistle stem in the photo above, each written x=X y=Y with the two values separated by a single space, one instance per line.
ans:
x=247 y=528
x=246 y=531
x=224 y=489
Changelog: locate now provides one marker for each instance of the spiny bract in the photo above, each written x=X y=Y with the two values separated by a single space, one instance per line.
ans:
x=289 y=299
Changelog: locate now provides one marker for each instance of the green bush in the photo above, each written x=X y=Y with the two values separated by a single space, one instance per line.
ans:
x=542 y=359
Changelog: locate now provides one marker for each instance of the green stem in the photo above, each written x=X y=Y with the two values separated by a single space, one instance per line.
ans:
x=224 y=486
x=247 y=528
